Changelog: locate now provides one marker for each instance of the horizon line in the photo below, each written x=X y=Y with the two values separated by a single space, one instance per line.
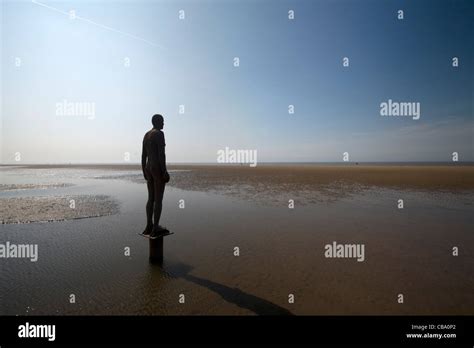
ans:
x=235 y=164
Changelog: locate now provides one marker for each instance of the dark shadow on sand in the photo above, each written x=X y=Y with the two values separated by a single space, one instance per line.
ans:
x=233 y=295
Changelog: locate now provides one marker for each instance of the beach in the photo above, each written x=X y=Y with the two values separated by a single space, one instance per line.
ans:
x=279 y=216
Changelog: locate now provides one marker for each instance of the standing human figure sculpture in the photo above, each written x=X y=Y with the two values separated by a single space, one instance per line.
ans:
x=156 y=176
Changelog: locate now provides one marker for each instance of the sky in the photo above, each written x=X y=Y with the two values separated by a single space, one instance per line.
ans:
x=128 y=60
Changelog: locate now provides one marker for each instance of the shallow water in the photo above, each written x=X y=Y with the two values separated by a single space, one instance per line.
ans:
x=281 y=252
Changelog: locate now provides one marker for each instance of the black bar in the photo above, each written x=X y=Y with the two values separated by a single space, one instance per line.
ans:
x=258 y=329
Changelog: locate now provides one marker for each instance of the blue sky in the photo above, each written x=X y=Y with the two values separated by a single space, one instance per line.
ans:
x=190 y=62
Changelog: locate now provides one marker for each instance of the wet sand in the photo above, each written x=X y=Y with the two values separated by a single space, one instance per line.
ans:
x=407 y=175
x=408 y=251
x=15 y=187
x=449 y=176
x=306 y=184
x=48 y=209
x=309 y=183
